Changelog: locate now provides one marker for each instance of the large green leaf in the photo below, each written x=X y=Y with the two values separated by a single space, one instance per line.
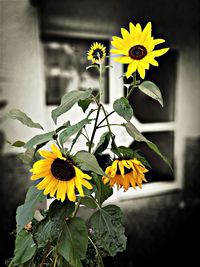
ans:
x=25 y=212
x=39 y=139
x=88 y=162
x=123 y=108
x=102 y=191
x=84 y=104
x=134 y=132
x=17 y=114
x=73 y=241
x=151 y=89
x=103 y=142
x=48 y=230
x=89 y=202
x=24 y=248
x=71 y=130
x=108 y=231
x=68 y=101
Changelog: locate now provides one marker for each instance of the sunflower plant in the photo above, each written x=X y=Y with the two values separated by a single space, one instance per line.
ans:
x=74 y=180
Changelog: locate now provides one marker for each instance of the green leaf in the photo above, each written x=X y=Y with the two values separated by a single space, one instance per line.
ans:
x=84 y=104
x=122 y=107
x=18 y=144
x=39 y=139
x=127 y=152
x=17 y=114
x=64 y=126
x=25 y=212
x=151 y=89
x=48 y=230
x=24 y=248
x=134 y=132
x=27 y=156
x=108 y=231
x=102 y=191
x=89 y=202
x=71 y=130
x=68 y=101
x=88 y=162
x=103 y=142
x=73 y=242
x=142 y=159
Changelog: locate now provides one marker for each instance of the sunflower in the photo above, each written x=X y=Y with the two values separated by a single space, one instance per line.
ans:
x=96 y=53
x=125 y=173
x=137 y=49
x=60 y=176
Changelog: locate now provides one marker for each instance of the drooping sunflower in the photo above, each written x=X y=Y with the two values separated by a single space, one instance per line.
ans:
x=60 y=176
x=125 y=173
x=137 y=48
x=97 y=52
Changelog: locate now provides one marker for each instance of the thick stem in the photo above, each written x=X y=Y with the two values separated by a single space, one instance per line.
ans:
x=77 y=207
x=133 y=85
x=94 y=129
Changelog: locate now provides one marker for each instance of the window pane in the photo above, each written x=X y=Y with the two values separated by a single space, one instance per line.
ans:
x=147 y=109
x=65 y=67
x=165 y=142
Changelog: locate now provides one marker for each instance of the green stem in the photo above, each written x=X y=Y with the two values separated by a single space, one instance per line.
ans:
x=111 y=124
x=133 y=85
x=105 y=118
x=97 y=252
x=94 y=129
x=55 y=261
x=77 y=207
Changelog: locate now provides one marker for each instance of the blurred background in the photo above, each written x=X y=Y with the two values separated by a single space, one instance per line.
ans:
x=43 y=45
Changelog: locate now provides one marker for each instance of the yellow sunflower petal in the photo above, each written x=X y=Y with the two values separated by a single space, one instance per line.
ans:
x=78 y=184
x=118 y=42
x=119 y=51
x=123 y=60
x=51 y=187
x=59 y=190
x=121 y=168
x=56 y=151
x=151 y=60
x=46 y=154
x=132 y=29
x=87 y=184
x=42 y=164
x=141 y=71
x=126 y=181
x=71 y=190
x=147 y=31
x=131 y=68
x=44 y=183
x=64 y=191
x=160 y=52
x=158 y=41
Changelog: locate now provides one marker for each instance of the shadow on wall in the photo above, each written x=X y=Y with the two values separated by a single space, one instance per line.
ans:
x=14 y=182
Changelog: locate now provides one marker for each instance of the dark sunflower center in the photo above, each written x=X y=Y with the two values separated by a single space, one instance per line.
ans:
x=62 y=169
x=137 y=52
x=97 y=53
x=125 y=170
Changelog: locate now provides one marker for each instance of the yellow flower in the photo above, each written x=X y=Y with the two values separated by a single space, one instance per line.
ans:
x=125 y=173
x=60 y=176
x=96 y=53
x=137 y=49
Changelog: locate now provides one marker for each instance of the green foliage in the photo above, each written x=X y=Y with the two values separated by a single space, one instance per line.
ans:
x=88 y=162
x=71 y=130
x=24 y=248
x=107 y=230
x=17 y=143
x=27 y=156
x=84 y=104
x=68 y=101
x=102 y=191
x=89 y=202
x=122 y=107
x=40 y=139
x=73 y=241
x=103 y=142
x=133 y=131
x=151 y=89
x=25 y=212
x=17 y=114
x=48 y=230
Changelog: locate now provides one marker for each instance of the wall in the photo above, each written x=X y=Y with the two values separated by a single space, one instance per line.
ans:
x=161 y=229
